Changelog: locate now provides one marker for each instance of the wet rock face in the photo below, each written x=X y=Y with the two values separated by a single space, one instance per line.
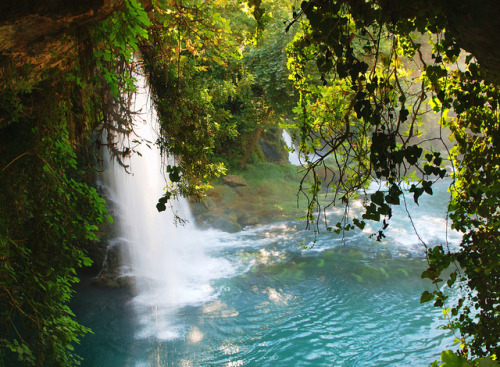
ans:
x=107 y=277
x=96 y=251
x=15 y=9
x=272 y=145
x=111 y=275
x=477 y=33
x=474 y=24
x=270 y=152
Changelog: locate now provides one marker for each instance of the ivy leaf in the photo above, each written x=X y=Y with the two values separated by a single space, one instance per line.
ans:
x=377 y=197
x=161 y=207
x=427 y=185
x=452 y=359
x=403 y=114
x=359 y=223
x=417 y=192
x=174 y=173
x=426 y=297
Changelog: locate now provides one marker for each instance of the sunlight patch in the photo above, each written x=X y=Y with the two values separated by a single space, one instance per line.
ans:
x=195 y=335
x=229 y=348
x=277 y=297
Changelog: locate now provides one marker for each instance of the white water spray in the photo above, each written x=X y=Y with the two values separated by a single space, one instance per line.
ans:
x=295 y=157
x=167 y=260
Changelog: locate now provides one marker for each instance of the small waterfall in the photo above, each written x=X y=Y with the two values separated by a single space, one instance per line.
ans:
x=295 y=157
x=167 y=260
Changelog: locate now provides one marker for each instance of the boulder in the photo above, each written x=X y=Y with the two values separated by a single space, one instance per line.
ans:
x=234 y=181
x=110 y=275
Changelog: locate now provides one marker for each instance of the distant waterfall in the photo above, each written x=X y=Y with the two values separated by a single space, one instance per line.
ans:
x=295 y=157
x=167 y=261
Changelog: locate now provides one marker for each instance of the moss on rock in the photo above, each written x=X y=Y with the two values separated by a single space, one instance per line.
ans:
x=270 y=194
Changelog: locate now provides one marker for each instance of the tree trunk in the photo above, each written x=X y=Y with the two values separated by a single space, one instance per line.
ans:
x=250 y=146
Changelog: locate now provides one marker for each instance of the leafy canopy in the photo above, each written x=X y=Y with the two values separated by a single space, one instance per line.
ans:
x=360 y=118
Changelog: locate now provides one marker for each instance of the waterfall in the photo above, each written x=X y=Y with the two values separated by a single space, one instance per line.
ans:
x=293 y=154
x=168 y=261
x=295 y=157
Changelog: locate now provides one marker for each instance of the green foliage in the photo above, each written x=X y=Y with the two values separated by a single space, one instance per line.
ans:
x=102 y=78
x=363 y=106
x=116 y=41
x=266 y=61
x=474 y=206
x=452 y=359
x=184 y=59
x=48 y=213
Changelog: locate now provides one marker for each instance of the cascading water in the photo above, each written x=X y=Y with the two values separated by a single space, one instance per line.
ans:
x=295 y=157
x=293 y=154
x=167 y=260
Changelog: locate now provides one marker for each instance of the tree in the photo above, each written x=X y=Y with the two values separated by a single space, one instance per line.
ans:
x=271 y=96
x=184 y=60
x=366 y=110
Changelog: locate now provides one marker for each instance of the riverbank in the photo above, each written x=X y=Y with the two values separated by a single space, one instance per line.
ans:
x=260 y=194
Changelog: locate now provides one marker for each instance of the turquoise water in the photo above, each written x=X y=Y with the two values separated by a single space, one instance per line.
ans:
x=303 y=312
x=340 y=303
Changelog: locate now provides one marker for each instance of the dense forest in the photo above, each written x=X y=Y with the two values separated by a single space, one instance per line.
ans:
x=353 y=81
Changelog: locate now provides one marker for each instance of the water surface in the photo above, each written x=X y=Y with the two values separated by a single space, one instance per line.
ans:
x=340 y=303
